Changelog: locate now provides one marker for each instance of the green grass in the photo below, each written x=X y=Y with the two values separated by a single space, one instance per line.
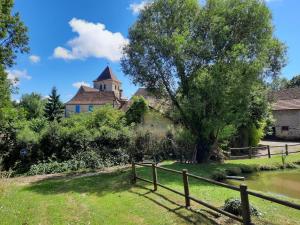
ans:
x=109 y=198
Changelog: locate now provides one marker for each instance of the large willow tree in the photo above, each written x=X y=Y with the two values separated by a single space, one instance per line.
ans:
x=206 y=59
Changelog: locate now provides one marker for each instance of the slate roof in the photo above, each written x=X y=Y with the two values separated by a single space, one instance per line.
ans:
x=286 y=99
x=92 y=96
x=107 y=74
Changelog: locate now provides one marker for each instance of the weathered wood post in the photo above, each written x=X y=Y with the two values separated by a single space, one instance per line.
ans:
x=245 y=205
x=250 y=152
x=186 y=188
x=286 y=149
x=154 y=173
x=133 y=172
x=269 y=153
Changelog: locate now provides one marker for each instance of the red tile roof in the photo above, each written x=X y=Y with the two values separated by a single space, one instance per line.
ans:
x=92 y=96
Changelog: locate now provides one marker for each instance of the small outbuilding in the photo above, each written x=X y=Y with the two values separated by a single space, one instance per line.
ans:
x=286 y=112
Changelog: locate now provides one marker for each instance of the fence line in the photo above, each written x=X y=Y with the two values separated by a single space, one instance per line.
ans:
x=243 y=189
x=249 y=151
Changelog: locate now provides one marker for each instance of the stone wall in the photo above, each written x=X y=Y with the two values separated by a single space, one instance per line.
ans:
x=287 y=124
x=71 y=109
x=110 y=85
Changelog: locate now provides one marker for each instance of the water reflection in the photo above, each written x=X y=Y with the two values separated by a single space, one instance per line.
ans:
x=283 y=182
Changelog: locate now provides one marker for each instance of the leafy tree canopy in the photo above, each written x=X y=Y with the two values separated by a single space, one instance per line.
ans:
x=294 y=82
x=206 y=59
x=13 y=34
x=33 y=104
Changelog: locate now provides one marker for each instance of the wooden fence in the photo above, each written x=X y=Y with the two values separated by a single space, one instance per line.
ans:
x=251 y=152
x=242 y=189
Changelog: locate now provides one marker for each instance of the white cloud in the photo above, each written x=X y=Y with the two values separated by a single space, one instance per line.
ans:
x=93 y=40
x=16 y=75
x=272 y=0
x=34 y=58
x=80 y=83
x=136 y=8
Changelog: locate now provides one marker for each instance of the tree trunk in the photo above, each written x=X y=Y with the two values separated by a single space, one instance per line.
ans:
x=209 y=152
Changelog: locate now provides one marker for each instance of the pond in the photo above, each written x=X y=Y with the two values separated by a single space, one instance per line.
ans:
x=281 y=183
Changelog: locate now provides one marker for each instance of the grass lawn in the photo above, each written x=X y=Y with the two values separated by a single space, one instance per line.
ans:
x=109 y=198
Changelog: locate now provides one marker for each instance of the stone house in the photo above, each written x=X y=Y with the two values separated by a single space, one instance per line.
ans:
x=286 y=112
x=107 y=89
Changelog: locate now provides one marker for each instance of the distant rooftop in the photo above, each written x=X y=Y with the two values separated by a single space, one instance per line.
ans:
x=286 y=99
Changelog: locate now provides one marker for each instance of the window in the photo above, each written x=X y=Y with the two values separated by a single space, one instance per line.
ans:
x=104 y=86
x=91 y=108
x=77 y=109
x=100 y=86
x=284 y=128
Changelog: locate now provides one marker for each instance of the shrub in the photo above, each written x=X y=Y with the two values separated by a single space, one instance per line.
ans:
x=219 y=175
x=137 y=110
x=234 y=171
x=234 y=206
x=185 y=143
x=48 y=168
x=248 y=169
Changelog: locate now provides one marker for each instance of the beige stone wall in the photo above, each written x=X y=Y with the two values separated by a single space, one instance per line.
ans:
x=110 y=85
x=71 y=109
x=289 y=118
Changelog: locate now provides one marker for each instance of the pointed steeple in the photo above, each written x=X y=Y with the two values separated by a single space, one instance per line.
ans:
x=107 y=74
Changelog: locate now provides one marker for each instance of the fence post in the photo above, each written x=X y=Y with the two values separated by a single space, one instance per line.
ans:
x=154 y=173
x=245 y=205
x=286 y=149
x=250 y=152
x=269 y=153
x=133 y=173
x=186 y=188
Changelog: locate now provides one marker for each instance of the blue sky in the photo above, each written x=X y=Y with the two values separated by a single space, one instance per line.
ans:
x=72 y=41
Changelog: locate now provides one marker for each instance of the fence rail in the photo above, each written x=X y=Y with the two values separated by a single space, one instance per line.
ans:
x=242 y=189
x=249 y=151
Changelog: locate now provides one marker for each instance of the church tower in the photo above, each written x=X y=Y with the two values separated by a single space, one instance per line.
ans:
x=107 y=81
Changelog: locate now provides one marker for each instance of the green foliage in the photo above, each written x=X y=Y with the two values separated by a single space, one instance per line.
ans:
x=278 y=83
x=294 y=82
x=172 y=53
x=91 y=140
x=234 y=206
x=185 y=144
x=219 y=175
x=5 y=89
x=137 y=110
x=13 y=34
x=256 y=133
x=33 y=104
x=54 y=107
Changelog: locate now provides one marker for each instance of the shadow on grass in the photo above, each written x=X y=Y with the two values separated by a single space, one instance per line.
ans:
x=195 y=217
x=120 y=180
x=98 y=184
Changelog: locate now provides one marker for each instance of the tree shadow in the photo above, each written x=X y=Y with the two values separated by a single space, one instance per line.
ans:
x=99 y=184
x=194 y=217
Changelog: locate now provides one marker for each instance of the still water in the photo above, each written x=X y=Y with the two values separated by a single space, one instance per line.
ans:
x=282 y=182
